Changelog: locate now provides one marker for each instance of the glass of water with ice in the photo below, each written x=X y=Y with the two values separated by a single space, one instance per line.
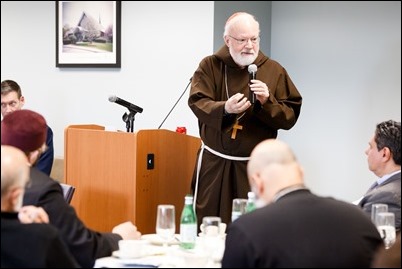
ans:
x=385 y=222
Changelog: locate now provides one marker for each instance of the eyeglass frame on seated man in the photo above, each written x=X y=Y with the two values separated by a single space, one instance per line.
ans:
x=243 y=41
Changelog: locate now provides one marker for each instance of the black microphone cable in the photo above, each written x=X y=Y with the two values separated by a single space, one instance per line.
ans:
x=176 y=103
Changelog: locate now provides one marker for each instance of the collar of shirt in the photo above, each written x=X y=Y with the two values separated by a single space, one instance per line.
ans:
x=385 y=177
x=287 y=190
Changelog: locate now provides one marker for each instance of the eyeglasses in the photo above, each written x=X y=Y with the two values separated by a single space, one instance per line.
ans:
x=244 y=41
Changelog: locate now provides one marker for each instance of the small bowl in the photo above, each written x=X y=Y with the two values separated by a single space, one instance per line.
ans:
x=222 y=229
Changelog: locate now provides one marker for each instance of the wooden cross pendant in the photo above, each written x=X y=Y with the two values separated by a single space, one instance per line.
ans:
x=236 y=127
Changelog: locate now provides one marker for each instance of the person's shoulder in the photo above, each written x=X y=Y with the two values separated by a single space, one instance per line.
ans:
x=210 y=59
x=341 y=205
x=49 y=130
x=42 y=182
x=36 y=173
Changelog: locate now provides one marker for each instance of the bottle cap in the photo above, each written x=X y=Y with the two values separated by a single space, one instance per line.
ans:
x=188 y=198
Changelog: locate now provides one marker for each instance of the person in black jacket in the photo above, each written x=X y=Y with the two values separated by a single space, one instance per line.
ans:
x=85 y=244
x=12 y=100
x=34 y=245
x=293 y=227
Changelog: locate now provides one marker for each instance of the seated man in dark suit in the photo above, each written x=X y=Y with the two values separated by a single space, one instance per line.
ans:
x=12 y=100
x=384 y=160
x=293 y=227
x=25 y=245
x=85 y=244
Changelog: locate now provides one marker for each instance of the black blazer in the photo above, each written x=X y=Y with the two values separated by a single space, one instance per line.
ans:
x=85 y=244
x=302 y=230
x=32 y=245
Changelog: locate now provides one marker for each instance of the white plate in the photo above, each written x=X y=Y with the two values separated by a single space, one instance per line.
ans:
x=145 y=261
x=157 y=240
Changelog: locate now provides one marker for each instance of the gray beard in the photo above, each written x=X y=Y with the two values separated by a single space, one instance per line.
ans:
x=241 y=60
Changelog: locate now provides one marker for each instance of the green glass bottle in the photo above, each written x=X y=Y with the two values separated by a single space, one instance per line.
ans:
x=250 y=202
x=188 y=224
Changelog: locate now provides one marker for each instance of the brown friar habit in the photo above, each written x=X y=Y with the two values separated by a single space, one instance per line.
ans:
x=217 y=78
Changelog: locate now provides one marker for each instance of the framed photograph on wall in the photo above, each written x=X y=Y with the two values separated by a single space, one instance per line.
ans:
x=88 y=33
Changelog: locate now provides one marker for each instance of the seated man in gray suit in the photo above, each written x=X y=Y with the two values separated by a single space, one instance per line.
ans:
x=384 y=160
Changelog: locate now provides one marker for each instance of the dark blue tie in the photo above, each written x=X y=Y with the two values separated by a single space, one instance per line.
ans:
x=375 y=184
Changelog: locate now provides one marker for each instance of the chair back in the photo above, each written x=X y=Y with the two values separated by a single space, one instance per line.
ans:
x=68 y=191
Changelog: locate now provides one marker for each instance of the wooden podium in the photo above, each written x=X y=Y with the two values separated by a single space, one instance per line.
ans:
x=114 y=178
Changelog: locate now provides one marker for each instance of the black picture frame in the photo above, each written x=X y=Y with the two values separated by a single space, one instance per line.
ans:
x=88 y=34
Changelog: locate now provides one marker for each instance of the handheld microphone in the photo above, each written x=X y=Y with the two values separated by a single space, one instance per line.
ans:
x=252 y=71
x=128 y=105
x=176 y=103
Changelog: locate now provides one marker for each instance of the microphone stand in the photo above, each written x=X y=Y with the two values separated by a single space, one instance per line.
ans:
x=129 y=120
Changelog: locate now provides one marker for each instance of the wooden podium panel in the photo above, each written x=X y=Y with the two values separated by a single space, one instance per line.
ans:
x=112 y=180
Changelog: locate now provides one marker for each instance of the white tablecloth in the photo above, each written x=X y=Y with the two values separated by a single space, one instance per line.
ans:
x=167 y=257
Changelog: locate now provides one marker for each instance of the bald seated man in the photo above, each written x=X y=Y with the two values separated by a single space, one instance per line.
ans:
x=292 y=226
x=26 y=130
x=25 y=245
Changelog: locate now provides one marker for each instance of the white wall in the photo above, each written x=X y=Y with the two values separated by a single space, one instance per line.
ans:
x=162 y=44
x=345 y=58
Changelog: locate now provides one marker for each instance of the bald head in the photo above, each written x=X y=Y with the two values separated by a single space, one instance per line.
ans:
x=273 y=167
x=241 y=20
x=14 y=176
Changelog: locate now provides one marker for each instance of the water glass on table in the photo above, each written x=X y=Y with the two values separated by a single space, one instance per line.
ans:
x=238 y=208
x=385 y=222
x=377 y=208
x=166 y=223
x=211 y=238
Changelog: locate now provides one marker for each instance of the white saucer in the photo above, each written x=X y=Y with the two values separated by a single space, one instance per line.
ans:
x=157 y=240
x=144 y=261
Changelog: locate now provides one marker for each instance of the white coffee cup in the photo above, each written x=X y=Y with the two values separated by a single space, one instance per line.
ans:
x=131 y=248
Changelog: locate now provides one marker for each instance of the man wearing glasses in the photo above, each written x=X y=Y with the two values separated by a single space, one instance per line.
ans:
x=240 y=98
x=12 y=100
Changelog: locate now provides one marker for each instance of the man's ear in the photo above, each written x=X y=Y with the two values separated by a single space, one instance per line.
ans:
x=22 y=101
x=257 y=185
x=33 y=156
x=13 y=197
x=386 y=153
x=226 y=40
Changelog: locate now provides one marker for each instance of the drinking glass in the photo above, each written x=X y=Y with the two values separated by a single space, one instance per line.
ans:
x=377 y=208
x=211 y=226
x=238 y=208
x=211 y=238
x=165 y=223
x=385 y=222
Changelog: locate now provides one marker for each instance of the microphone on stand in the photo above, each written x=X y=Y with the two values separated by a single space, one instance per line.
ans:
x=252 y=71
x=175 y=103
x=128 y=105
x=127 y=118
